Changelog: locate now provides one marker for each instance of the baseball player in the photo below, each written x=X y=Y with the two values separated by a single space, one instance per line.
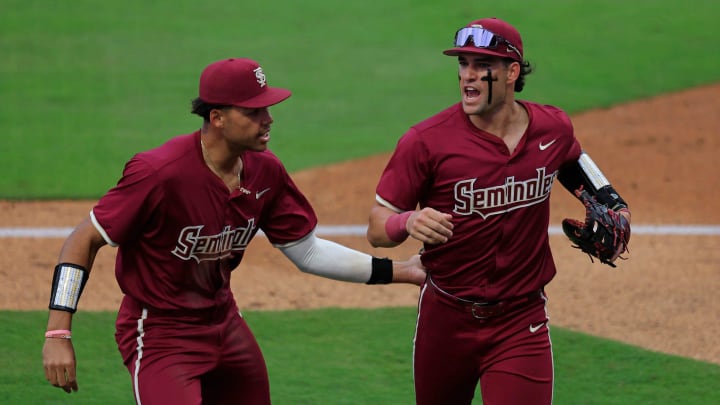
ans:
x=481 y=173
x=182 y=216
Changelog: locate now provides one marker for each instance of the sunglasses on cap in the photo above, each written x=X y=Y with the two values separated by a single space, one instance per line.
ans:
x=482 y=38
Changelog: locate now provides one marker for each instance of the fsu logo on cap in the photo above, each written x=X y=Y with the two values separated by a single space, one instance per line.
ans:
x=260 y=76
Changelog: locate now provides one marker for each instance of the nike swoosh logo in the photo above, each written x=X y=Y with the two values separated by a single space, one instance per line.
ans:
x=260 y=193
x=547 y=145
x=534 y=328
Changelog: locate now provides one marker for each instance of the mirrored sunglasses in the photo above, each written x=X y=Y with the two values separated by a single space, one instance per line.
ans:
x=482 y=38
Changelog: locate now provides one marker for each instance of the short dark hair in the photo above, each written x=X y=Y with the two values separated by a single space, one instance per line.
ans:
x=525 y=69
x=201 y=108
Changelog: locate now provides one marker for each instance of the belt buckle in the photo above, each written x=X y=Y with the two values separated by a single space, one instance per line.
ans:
x=479 y=305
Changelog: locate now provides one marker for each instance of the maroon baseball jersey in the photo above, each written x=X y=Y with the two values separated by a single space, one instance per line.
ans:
x=180 y=231
x=499 y=201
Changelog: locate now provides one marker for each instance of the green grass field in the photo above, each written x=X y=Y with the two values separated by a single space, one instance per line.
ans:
x=84 y=87
x=350 y=357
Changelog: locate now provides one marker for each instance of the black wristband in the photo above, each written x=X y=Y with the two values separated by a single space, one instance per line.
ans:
x=382 y=271
x=608 y=196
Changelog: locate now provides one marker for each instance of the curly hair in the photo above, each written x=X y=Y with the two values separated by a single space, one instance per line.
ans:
x=201 y=108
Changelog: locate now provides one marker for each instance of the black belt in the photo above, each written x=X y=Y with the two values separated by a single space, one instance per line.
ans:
x=486 y=309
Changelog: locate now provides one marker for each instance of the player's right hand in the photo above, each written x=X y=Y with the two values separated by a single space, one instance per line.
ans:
x=430 y=226
x=59 y=363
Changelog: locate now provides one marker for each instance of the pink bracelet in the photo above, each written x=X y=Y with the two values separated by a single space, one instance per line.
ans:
x=58 y=334
x=396 y=226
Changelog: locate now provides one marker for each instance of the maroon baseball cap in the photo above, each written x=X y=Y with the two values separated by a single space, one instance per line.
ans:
x=490 y=36
x=240 y=82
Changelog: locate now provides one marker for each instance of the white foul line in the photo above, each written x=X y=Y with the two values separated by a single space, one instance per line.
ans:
x=359 y=230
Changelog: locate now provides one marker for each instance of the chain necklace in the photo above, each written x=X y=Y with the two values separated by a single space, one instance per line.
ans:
x=214 y=168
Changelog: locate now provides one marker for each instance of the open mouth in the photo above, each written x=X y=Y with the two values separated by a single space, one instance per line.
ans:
x=471 y=93
x=265 y=136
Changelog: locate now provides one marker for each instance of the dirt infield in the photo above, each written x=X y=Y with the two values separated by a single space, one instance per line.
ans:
x=661 y=154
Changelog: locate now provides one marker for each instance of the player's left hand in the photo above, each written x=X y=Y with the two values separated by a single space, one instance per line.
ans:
x=603 y=234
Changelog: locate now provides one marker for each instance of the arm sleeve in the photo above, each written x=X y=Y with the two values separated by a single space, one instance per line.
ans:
x=328 y=259
x=585 y=173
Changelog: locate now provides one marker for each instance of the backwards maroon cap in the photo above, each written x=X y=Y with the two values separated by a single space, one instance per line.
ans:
x=239 y=82
x=497 y=27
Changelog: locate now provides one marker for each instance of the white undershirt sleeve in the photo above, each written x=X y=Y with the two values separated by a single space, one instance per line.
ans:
x=328 y=259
